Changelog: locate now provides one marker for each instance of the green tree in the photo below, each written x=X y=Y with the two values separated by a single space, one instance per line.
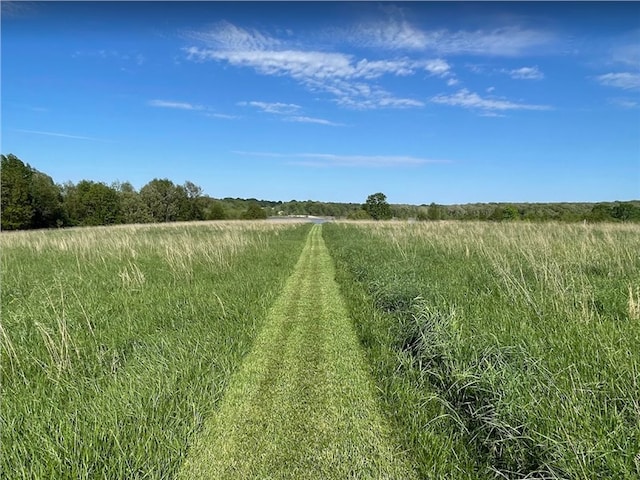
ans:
x=16 y=204
x=359 y=214
x=377 y=207
x=626 y=211
x=191 y=204
x=92 y=203
x=511 y=213
x=164 y=199
x=132 y=208
x=213 y=209
x=46 y=198
x=254 y=212
x=434 y=212
x=30 y=199
x=601 y=212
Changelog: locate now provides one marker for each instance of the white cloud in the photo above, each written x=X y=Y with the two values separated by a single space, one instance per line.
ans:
x=466 y=99
x=111 y=54
x=63 y=135
x=628 y=53
x=339 y=74
x=176 y=105
x=319 y=121
x=289 y=109
x=506 y=41
x=526 y=73
x=273 y=107
x=337 y=160
x=396 y=33
x=304 y=65
x=437 y=67
x=10 y=9
x=222 y=115
x=625 y=80
x=226 y=36
x=624 y=103
x=393 y=34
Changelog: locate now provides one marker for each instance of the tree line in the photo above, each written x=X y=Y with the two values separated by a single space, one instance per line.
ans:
x=31 y=199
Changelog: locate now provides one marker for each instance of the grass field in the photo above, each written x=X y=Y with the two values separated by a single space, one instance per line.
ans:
x=117 y=343
x=434 y=350
x=302 y=405
x=502 y=350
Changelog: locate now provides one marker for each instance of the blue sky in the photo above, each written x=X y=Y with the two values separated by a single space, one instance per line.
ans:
x=427 y=102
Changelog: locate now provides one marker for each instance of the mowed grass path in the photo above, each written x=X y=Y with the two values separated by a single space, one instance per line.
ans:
x=302 y=405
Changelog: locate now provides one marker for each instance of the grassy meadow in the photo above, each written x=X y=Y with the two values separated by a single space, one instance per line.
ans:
x=118 y=342
x=495 y=350
x=501 y=350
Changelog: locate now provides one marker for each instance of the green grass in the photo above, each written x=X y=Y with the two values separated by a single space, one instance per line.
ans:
x=439 y=350
x=506 y=351
x=302 y=405
x=118 y=343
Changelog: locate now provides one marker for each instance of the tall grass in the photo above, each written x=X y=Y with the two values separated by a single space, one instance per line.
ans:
x=117 y=342
x=503 y=350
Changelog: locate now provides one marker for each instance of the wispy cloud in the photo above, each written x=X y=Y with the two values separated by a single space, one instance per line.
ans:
x=222 y=115
x=290 y=111
x=525 y=73
x=176 y=105
x=342 y=75
x=10 y=9
x=226 y=36
x=627 y=103
x=396 y=33
x=277 y=108
x=337 y=160
x=627 y=51
x=508 y=41
x=57 y=134
x=306 y=65
x=319 y=121
x=466 y=99
x=624 y=80
x=106 y=53
x=392 y=34
x=202 y=109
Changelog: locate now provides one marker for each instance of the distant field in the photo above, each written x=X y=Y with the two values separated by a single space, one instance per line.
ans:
x=502 y=350
x=486 y=350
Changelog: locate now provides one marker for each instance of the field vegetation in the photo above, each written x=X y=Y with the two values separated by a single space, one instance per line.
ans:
x=118 y=342
x=501 y=350
x=476 y=350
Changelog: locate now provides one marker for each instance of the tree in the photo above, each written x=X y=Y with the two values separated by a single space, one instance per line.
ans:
x=359 y=214
x=17 y=208
x=30 y=199
x=601 y=212
x=213 y=209
x=46 y=197
x=163 y=199
x=434 y=212
x=377 y=207
x=92 y=203
x=625 y=211
x=192 y=206
x=254 y=212
x=132 y=208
